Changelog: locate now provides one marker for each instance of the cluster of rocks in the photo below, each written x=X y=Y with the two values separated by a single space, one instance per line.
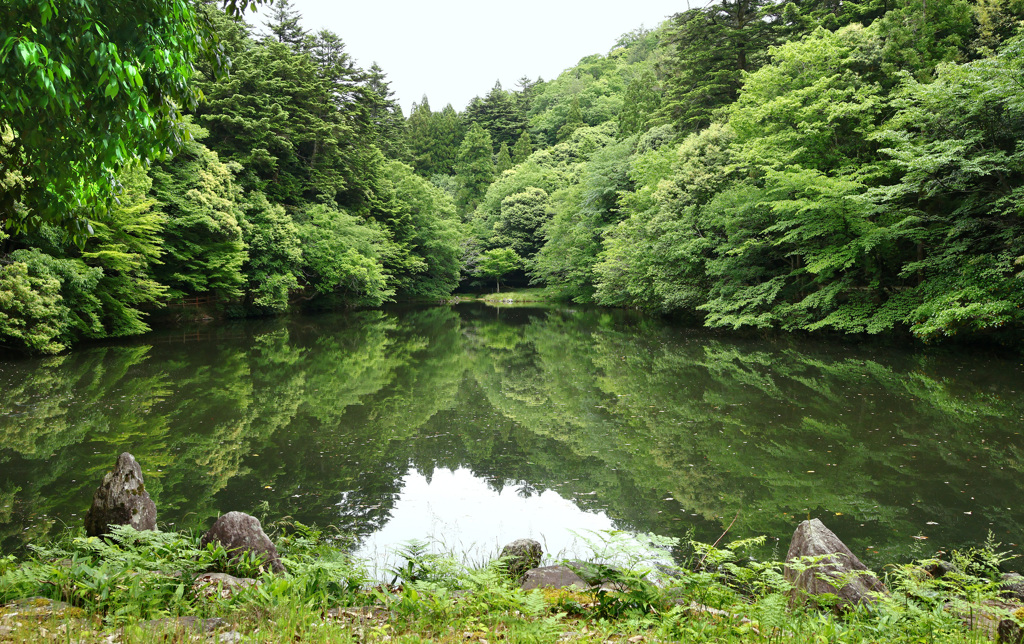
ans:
x=818 y=564
x=122 y=499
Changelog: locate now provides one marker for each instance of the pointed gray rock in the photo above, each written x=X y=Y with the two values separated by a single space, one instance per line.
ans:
x=121 y=499
x=239 y=532
x=827 y=566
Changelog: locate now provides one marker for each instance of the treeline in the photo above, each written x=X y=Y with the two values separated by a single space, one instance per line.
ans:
x=847 y=166
x=795 y=164
x=286 y=185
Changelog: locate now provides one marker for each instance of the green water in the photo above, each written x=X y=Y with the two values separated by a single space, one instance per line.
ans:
x=473 y=425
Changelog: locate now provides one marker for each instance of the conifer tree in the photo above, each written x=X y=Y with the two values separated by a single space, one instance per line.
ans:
x=474 y=168
x=503 y=160
x=639 y=105
x=284 y=23
x=522 y=150
x=711 y=49
x=386 y=117
x=433 y=139
x=499 y=113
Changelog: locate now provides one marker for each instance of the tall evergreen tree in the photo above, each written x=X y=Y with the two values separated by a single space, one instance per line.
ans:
x=503 y=160
x=499 y=113
x=709 y=51
x=433 y=139
x=523 y=149
x=573 y=121
x=474 y=168
x=639 y=104
x=284 y=23
x=386 y=116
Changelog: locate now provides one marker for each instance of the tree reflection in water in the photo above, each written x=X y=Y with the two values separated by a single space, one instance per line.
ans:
x=662 y=429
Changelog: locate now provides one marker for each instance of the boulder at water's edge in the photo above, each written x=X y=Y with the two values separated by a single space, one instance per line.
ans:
x=239 y=533
x=521 y=555
x=818 y=563
x=121 y=499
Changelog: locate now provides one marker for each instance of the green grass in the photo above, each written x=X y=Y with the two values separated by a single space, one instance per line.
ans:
x=520 y=296
x=114 y=589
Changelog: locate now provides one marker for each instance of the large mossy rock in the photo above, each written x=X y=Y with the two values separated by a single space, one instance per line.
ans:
x=521 y=555
x=819 y=563
x=241 y=533
x=121 y=499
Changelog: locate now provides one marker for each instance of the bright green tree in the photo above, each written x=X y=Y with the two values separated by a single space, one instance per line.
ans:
x=273 y=254
x=203 y=246
x=640 y=104
x=497 y=263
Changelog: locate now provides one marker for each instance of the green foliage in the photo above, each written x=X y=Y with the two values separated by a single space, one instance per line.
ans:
x=434 y=138
x=204 y=250
x=284 y=24
x=497 y=263
x=340 y=255
x=499 y=113
x=474 y=168
x=432 y=233
x=31 y=310
x=522 y=150
x=88 y=88
x=710 y=50
x=274 y=254
x=519 y=221
x=503 y=160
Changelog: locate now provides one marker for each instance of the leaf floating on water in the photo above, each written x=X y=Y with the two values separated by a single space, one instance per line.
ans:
x=967 y=513
x=810 y=471
x=920 y=537
x=932 y=523
x=839 y=514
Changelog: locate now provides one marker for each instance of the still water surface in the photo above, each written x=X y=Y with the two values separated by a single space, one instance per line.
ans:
x=474 y=426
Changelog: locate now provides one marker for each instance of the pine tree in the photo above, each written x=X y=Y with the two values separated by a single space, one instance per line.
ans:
x=503 y=160
x=284 y=24
x=386 y=116
x=522 y=150
x=499 y=113
x=711 y=50
x=474 y=168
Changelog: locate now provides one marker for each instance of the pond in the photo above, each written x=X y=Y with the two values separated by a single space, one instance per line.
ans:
x=471 y=426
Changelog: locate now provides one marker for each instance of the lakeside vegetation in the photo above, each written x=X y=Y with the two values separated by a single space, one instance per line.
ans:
x=112 y=591
x=815 y=166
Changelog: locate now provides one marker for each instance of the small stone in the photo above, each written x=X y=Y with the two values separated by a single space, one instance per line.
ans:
x=239 y=533
x=210 y=584
x=520 y=556
x=1013 y=586
x=184 y=623
x=121 y=499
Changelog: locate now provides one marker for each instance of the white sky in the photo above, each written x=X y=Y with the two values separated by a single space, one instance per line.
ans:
x=453 y=50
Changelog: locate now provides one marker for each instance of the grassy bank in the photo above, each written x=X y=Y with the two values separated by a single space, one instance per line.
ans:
x=133 y=589
x=521 y=296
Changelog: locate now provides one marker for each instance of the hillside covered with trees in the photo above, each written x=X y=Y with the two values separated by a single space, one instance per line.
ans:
x=804 y=165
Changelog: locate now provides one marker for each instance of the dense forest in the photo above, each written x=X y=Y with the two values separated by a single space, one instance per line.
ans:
x=847 y=166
